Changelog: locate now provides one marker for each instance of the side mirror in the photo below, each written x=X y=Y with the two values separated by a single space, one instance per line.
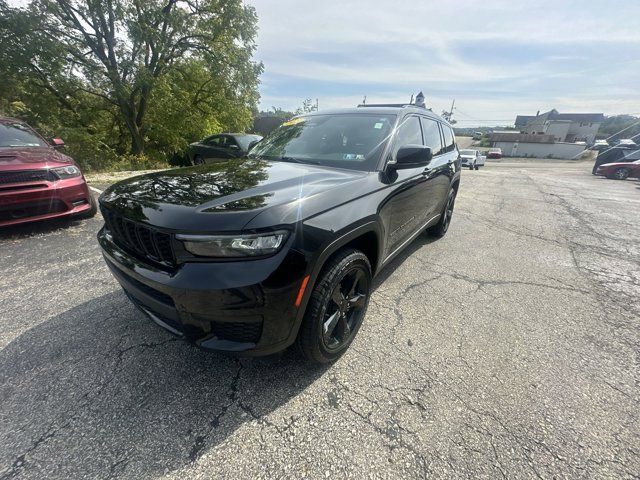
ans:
x=233 y=146
x=57 y=142
x=412 y=156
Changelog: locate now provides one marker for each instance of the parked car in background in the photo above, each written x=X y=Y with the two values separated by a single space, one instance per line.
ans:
x=494 y=153
x=473 y=159
x=620 y=170
x=599 y=145
x=477 y=136
x=221 y=146
x=627 y=142
x=251 y=255
x=622 y=153
x=36 y=181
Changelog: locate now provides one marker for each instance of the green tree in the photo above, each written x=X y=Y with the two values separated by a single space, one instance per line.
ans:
x=136 y=62
x=620 y=126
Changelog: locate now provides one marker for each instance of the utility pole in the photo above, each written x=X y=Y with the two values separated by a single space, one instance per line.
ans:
x=448 y=115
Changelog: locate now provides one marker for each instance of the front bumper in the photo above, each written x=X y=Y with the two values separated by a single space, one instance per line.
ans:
x=244 y=307
x=21 y=203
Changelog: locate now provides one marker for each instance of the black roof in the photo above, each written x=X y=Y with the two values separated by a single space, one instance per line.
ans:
x=522 y=120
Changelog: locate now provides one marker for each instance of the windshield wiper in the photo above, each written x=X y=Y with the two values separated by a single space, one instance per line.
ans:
x=283 y=159
x=296 y=160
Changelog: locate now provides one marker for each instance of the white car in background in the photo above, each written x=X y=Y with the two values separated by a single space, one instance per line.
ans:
x=473 y=159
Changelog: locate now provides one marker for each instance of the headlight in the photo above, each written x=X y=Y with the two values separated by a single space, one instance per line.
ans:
x=67 y=172
x=230 y=246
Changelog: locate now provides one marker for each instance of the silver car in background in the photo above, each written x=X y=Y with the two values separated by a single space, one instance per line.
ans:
x=473 y=159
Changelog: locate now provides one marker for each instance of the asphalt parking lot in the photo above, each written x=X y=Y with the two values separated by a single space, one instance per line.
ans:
x=509 y=348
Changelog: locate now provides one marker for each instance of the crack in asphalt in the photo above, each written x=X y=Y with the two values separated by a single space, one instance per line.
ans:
x=21 y=460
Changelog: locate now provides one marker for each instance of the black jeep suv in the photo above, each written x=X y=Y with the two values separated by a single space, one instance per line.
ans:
x=250 y=255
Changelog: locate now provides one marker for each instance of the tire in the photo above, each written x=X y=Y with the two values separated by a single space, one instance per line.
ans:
x=331 y=321
x=620 y=174
x=476 y=167
x=470 y=167
x=440 y=228
x=198 y=160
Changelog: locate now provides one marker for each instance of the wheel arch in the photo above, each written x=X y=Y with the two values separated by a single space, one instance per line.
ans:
x=366 y=238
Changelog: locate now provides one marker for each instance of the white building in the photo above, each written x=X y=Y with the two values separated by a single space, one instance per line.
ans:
x=564 y=127
x=514 y=144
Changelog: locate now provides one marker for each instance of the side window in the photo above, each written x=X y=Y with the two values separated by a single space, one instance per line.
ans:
x=213 y=141
x=409 y=133
x=449 y=142
x=228 y=142
x=431 y=134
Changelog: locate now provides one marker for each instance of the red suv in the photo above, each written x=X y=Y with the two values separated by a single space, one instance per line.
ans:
x=36 y=181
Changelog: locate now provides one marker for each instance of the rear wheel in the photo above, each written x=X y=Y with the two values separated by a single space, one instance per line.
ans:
x=336 y=308
x=440 y=228
x=620 y=174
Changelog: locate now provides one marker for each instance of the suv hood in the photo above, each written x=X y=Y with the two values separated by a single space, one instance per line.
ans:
x=20 y=158
x=222 y=196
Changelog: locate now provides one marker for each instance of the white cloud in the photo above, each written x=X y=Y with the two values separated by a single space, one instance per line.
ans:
x=498 y=57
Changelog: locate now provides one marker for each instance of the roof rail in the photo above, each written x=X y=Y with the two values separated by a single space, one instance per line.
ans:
x=397 y=105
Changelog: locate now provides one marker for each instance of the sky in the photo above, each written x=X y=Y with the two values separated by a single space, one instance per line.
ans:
x=496 y=58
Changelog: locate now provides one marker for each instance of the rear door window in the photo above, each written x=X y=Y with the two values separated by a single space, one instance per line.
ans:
x=431 y=134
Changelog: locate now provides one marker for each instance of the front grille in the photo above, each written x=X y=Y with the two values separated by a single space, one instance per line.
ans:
x=138 y=239
x=238 y=332
x=26 y=176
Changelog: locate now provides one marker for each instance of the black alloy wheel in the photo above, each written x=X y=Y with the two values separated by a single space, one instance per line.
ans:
x=336 y=308
x=440 y=228
x=197 y=160
x=345 y=309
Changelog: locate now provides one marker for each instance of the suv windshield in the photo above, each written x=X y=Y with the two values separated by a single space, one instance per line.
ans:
x=19 y=135
x=467 y=152
x=353 y=141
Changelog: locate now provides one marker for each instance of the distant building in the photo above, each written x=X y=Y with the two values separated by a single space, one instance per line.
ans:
x=549 y=135
x=564 y=127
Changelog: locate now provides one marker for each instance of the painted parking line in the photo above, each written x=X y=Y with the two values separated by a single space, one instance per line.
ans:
x=97 y=190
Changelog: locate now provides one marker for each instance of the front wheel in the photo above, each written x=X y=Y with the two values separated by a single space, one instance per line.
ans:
x=198 y=160
x=336 y=308
x=476 y=167
x=440 y=228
